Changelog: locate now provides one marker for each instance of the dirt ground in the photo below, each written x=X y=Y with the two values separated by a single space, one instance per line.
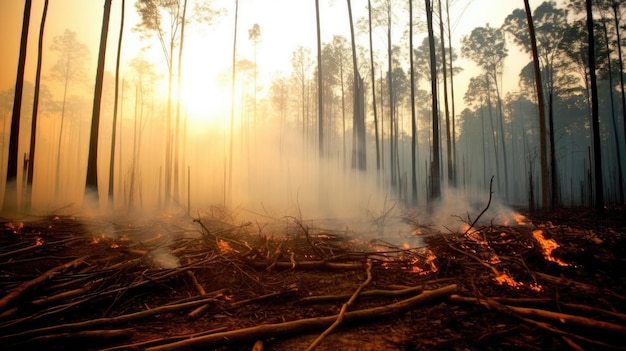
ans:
x=552 y=281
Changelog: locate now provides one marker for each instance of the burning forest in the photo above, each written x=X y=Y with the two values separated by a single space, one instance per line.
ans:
x=240 y=175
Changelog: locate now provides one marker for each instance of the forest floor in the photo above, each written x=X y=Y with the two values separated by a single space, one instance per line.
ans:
x=551 y=281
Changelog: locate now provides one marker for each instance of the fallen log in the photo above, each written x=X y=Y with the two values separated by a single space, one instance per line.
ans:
x=307 y=325
x=569 y=319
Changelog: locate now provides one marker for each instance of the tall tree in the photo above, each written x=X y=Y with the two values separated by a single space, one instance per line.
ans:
x=545 y=193
x=179 y=70
x=320 y=100
x=449 y=135
x=595 y=118
x=373 y=78
x=33 y=126
x=435 y=176
x=413 y=121
x=69 y=68
x=232 y=105
x=10 y=192
x=114 y=128
x=487 y=47
x=358 y=111
x=91 y=189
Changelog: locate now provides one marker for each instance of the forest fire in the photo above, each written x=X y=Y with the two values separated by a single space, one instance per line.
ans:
x=547 y=246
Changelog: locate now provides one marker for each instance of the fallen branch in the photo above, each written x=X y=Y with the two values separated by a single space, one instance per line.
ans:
x=22 y=288
x=583 y=286
x=569 y=319
x=344 y=308
x=104 y=321
x=82 y=336
x=368 y=293
x=309 y=324
x=309 y=265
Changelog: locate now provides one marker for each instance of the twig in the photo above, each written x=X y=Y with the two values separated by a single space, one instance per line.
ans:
x=344 y=308
x=484 y=210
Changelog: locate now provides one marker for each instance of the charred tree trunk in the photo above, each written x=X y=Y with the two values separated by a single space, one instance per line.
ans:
x=413 y=121
x=92 y=161
x=369 y=14
x=114 y=129
x=435 y=178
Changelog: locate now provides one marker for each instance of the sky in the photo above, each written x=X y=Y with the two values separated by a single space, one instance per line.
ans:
x=285 y=25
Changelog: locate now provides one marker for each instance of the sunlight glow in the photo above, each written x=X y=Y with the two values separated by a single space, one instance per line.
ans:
x=205 y=100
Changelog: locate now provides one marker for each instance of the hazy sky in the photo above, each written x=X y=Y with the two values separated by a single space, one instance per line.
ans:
x=285 y=24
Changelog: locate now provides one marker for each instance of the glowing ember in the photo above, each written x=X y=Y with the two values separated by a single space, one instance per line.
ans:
x=95 y=240
x=39 y=241
x=547 y=246
x=114 y=246
x=506 y=279
x=224 y=246
x=16 y=228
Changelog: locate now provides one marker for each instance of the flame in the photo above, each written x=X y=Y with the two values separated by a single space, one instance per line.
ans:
x=548 y=245
x=95 y=240
x=521 y=219
x=16 y=228
x=39 y=241
x=114 y=246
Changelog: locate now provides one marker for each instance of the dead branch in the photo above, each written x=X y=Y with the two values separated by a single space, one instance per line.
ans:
x=368 y=293
x=579 y=285
x=22 y=288
x=309 y=324
x=105 y=321
x=484 y=209
x=344 y=308
x=569 y=319
x=149 y=343
x=87 y=335
x=309 y=265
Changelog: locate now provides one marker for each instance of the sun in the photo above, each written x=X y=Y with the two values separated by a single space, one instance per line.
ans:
x=205 y=99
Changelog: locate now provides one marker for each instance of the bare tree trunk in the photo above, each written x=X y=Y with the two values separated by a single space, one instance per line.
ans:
x=445 y=100
x=114 y=129
x=545 y=188
x=435 y=178
x=177 y=131
x=454 y=165
x=413 y=121
x=10 y=190
x=320 y=100
x=232 y=107
x=369 y=13
x=595 y=120
x=33 y=126
x=92 y=161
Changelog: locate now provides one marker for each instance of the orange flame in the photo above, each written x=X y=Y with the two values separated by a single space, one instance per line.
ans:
x=548 y=245
x=506 y=279
x=223 y=246
x=39 y=241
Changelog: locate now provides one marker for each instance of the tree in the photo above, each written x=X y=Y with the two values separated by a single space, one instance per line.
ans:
x=33 y=129
x=358 y=111
x=595 y=118
x=542 y=113
x=320 y=100
x=413 y=121
x=435 y=177
x=487 y=47
x=372 y=73
x=254 y=35
x=69 y=68
x=449 y=136
x=114 y=129
x=91 y=188
x=10 y=192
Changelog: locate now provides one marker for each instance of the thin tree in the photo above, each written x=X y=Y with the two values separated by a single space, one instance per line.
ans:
x=91 y=189
x=595 y=120
x=10 y=192
x=176 y=186
x=33 y=126
x=369 y=14
x=449 y=137
x=114 y=129
x=320 y=99
x=358 y=113
x=451 y=75
x=435 y=177
x=232 y=105
x=413 y=121
x=545 y=189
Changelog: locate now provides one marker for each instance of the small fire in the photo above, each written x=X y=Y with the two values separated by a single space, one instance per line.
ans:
x=39 y=241
x=16 y=228
x=521 y=219
x=114 y=246
x=548 y=245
